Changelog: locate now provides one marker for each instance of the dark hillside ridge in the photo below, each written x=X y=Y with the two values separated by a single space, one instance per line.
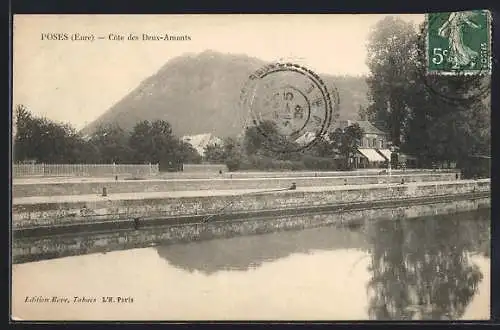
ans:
x=200 y=94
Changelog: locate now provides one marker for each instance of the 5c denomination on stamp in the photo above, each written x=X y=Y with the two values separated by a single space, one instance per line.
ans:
x=459 y=42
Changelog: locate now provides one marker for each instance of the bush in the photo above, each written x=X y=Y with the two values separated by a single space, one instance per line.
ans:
x=266 y=163
x=233 y=164
x=321 y=163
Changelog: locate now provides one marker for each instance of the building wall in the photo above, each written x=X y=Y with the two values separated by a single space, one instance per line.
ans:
x=374 y=141
x=368 y=140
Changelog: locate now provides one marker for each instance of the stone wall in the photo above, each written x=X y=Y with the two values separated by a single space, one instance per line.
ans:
x=102 y=209
x=45 y=247
x=131 y=186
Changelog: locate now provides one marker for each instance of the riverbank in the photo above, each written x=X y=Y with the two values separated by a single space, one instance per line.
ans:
x=57 y=226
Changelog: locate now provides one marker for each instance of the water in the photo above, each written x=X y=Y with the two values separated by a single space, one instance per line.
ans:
x=430 y=268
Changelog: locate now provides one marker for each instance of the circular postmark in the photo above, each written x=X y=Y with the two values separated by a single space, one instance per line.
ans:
x=290 y=105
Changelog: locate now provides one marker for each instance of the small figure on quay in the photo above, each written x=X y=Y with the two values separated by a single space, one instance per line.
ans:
x=136 y=223
x=293 y=187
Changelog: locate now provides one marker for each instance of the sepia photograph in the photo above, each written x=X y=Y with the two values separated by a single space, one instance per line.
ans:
x=243 y=167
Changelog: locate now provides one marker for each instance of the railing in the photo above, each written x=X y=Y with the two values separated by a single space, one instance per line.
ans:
x=89 y=170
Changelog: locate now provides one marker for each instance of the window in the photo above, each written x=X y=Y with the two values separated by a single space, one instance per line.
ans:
x=374 y=142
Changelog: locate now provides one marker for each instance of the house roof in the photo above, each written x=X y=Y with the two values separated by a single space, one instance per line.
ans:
x=368 y=128
x=306 y=138
x=200 y=141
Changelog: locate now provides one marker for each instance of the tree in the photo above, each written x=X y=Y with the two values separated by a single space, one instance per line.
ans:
x=391 y=57
x=322 y=147
x=264 y=140
x=111 y=142
x=154 y=142
x=347 y=141
x=23 y=137
x=435 y=117
x=259 y=138
x=444 y=121
x=214 y=153
x=47 y=141
x=233 y=153
x=44 y=140
x=362 y=113
x=231 y=147
x=184 y=153
x=421 y=269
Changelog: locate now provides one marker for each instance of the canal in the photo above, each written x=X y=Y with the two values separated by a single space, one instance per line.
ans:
x=427 y=268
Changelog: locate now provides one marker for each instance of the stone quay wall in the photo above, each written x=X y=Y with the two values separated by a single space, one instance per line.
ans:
x=56 y=229
x=27 y=248
x=155 y=185
x=97 y=209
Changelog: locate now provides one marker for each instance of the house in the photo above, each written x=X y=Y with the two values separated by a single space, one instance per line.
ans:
x=306 y=138
x=372 y=136
x=200 y=141
x=373 y=149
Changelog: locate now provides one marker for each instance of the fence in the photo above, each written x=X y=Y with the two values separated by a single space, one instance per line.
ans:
x=97 y=170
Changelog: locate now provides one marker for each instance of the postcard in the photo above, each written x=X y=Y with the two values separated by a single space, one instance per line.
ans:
x=251 y=167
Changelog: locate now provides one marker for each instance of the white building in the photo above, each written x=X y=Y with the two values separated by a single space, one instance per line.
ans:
x=200 y=141
x=373 y=148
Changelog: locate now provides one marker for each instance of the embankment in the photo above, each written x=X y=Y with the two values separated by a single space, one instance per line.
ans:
x=53 y=227
x=28 y=188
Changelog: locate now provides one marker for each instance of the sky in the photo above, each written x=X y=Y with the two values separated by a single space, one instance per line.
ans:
x=77 y=81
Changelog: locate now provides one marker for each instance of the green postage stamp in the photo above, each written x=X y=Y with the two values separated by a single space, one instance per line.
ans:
x=459 y=42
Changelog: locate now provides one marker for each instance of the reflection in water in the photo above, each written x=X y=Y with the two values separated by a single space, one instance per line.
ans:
x=249 y=252
x=408 y=269
x=421 y=268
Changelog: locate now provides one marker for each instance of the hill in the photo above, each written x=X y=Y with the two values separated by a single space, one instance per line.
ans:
x=200 y=93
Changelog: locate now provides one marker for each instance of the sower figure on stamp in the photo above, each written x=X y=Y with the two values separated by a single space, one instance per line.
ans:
x=460 y=54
